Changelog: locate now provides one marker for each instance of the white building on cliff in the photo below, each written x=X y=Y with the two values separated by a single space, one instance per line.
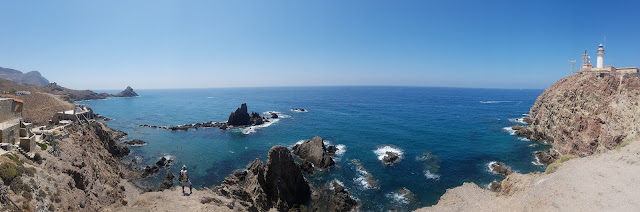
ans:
x=587 y=67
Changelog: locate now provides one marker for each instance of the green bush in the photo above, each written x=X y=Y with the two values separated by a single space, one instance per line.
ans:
x=8 y=172
x=554 y=166
x=42 y=146
x=17 y=186
x=14 y=158
x=624 y=143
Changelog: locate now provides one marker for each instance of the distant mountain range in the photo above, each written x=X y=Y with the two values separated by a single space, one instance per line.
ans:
x=29 y=78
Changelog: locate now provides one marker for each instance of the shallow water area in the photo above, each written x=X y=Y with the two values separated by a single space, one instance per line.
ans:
x=464 y=128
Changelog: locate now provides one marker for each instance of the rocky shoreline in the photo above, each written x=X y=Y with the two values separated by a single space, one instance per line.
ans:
x=583 y=115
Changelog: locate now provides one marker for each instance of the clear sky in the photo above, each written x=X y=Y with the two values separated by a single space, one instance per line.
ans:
x=203 y=44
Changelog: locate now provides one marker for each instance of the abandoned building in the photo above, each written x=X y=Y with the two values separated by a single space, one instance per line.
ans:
x=12 y=129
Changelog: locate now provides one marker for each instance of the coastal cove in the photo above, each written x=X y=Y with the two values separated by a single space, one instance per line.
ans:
x=463 y=130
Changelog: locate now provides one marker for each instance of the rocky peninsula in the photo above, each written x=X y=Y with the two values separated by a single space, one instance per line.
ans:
x=590 y=115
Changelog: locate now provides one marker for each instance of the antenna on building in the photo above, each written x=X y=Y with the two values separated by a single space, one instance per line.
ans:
x=573 y=63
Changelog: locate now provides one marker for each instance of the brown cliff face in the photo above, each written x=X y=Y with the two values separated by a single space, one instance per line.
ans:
x=585 y=113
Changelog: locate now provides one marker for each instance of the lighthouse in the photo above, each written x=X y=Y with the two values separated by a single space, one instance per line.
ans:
x=600 y=61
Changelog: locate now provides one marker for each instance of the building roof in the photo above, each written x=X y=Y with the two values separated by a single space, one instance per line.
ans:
x=18 y=100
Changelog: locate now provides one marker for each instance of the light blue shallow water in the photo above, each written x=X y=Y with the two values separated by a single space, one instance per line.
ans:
x=462 y=127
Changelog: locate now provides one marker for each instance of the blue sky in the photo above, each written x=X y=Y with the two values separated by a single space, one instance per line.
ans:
x=202 y=44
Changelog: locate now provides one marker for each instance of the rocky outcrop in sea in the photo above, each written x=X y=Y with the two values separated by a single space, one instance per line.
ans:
x=127 y=92
x=585 y=113
x=241 y=117
x=314 y=152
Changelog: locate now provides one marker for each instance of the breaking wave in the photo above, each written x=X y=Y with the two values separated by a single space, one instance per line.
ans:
x=494 y=102
x=382 y=151
x=510 y=130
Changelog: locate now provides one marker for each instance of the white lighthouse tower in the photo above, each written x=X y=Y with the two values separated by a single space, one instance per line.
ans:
x=600 y=61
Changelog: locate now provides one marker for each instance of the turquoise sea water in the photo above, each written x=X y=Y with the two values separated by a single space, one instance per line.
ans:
x=462 y=128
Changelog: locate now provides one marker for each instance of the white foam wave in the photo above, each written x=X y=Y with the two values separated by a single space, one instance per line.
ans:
x=299 y=142
x=510 y=130
x=537 y=161
x=489 y=165
x=494 y=102
x=382 y=151
x=300 y=110
x=337 y=181
x=341 y=149
x=252 y=129
x=362 y=180
x=280 y=115
x=430 y=175
x=398 y=197
x=518 y=120
x=532 y=145
x=523 y=139
x=209 y=97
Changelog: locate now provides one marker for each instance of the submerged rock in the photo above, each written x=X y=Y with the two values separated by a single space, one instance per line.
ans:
x=314 y=151
x=135 y=142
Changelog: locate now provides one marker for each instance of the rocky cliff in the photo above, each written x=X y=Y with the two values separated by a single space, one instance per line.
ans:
x=585 y=113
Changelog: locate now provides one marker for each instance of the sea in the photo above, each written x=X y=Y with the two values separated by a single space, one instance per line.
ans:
x=445 y=136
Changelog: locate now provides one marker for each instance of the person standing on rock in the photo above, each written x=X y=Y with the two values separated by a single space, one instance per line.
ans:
x=184 y=178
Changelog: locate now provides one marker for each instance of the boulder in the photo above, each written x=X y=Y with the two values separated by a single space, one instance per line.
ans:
x=167 y=182
x=390 y=158
x=314 y=151
x=495 y=187
x=500 y=168
x=274 y=115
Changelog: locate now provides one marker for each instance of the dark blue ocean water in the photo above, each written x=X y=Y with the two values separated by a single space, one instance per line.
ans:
x=462 y=127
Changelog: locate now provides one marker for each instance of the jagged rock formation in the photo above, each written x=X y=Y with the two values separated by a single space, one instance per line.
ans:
x=585 y=113
x=167 y=182
x=29 y=78
x=241 y=117
x=277 y=184
x=315 y=152
x=128 y=92
x=341 y=200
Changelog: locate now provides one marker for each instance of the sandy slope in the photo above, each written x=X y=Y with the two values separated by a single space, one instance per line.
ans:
x=605 y=182
x=173 y=200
